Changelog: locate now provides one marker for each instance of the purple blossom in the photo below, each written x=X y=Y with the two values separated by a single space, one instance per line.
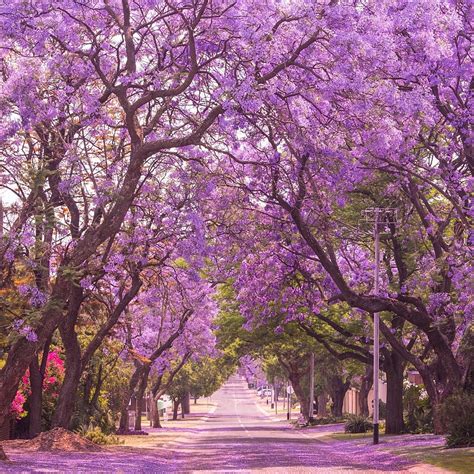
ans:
x=37 y=297
x=86 y=282
x=29 y=333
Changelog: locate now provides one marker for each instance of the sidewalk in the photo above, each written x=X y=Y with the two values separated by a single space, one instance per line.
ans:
x=280 y=414
x=333 y=440
x=139 y=453
x=172 y=430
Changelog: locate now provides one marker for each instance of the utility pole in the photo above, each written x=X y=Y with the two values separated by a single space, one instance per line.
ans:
x=380 y=218
x=311 y=387
x=376 y=328
x=288 y=414
x=289 y=391
x=1 y=217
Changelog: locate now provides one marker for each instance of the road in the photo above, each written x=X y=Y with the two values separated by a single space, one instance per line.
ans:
x=238 y=436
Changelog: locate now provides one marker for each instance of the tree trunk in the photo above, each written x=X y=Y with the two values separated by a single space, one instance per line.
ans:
x=19 y=358
x=139 y=396
x=72 y=375
x=134 y=379
x=98 y=386
x=124 y=422
x=181 y=401
x=338 y=389
x=138 y=415
x=155 y=396
x=337 y=397
x=36 y=398
x=365 y=386
x=67 y=395
x=436 y=399
x=175 y=409
x=3 y=456
x=155 y=413
x=322 y=401
x=186 y=402
x=438 y=425
x=37 y=373
x=303 y=398
x=86 y=392
x=394 y=366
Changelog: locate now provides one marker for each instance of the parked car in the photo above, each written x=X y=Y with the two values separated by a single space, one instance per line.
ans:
x=265 y=392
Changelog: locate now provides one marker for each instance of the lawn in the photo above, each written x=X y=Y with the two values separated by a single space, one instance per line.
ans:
x=424 y=449
x=459 y=460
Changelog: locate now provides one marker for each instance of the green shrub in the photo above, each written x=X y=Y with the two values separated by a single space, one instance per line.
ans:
x=457 y=414
x=97 y=436
x=418 y=411
x=357 y=424
x=328 y=420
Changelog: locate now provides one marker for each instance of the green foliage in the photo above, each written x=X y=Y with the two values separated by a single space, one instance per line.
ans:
x=102 y=388
x=283 y=347
x=273 y=369
x=230 y=333
x=181 y=262
x=97 y=436
x=357 y=424
x=71 y=273
x=418 y=411
x=180 y=385
x=328 y=420
x=14 y=306
x=457 y=414
x=208 y=374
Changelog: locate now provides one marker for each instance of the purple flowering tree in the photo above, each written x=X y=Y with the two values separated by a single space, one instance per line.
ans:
x=117 y=87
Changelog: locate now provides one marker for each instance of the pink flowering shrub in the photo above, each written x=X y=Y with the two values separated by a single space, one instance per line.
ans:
x=52 y=381
x=17 y=405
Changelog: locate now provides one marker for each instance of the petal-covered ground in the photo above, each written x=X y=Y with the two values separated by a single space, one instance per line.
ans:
x=236 y=436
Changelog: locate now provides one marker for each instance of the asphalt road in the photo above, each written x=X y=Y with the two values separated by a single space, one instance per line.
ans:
x=238 y=436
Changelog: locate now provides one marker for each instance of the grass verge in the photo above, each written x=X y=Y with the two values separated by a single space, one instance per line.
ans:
x=460 y=460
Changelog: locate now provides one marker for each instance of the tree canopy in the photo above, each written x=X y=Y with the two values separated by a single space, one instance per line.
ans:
x=172 y=170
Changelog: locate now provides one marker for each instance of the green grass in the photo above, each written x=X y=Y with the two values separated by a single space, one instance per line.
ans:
x=349 y=436
x=459 y=460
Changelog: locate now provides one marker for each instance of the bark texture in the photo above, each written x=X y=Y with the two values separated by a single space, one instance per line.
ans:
x=394 y=368
x=365 y=386
x=337 y=391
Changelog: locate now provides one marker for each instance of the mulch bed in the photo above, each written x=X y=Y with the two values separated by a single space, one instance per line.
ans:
x=57 y=439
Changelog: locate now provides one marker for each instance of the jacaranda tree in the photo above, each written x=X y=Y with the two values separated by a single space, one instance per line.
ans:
x=137 y=132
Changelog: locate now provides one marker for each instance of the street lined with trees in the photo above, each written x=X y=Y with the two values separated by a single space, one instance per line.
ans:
x=189 y=187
